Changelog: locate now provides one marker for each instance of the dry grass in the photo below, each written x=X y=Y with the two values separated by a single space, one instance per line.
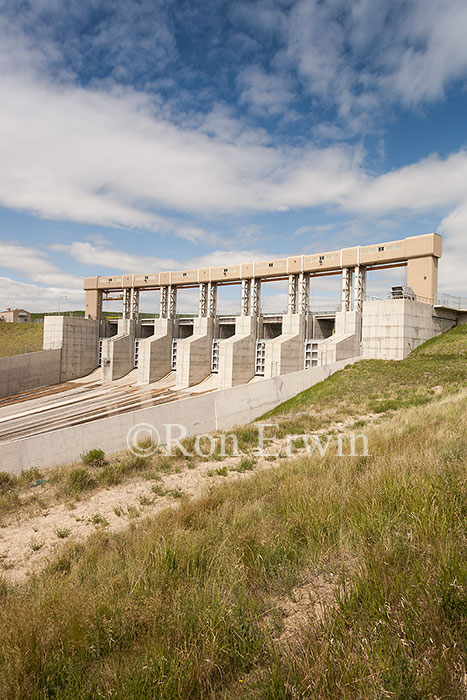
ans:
x=175 y=607
x=231 y=596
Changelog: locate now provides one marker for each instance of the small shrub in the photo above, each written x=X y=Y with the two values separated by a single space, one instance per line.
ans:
x=118 y=511
x=222 y=471
x=35 y=545
x=175 y=493
x=146 y=500
x=62 y=532
x=98 y=520
x=7 y=482
x=151 y=476
x=246 y=465
x=93 y=458
x=80 y=479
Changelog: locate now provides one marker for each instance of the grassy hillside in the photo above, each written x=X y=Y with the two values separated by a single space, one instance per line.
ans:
x=434 y=369
x=16 y=338
x=325 y=577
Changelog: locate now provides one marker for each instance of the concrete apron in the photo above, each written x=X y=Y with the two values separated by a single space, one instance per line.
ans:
x=217 y=410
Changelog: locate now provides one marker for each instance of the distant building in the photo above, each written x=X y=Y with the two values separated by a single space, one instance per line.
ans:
x=15 y=316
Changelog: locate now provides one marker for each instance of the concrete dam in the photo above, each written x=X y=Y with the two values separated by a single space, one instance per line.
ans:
x=96 y=378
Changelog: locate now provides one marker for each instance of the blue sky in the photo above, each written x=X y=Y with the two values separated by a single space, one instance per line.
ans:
x=138 y=136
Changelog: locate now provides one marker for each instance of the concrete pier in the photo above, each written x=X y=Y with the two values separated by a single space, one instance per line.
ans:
x=194 y=353
x=237 y=354
x=118 y=351
x=154 y=360
x=286 y=352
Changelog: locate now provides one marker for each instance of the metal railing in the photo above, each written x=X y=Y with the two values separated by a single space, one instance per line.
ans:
x=215 y=356
x=260 y=357
x=136 y=352
x=173 y=356
x=311 y=354
x=452 y=302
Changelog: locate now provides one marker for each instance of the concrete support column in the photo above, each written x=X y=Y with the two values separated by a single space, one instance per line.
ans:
x=212 y=299
x=303 y=293
x=255 y=297
x=359 y=288
x=93 y=304
x=126 y=303
x=203 y=299
x=164 y=302
x=422 y=276
x=134 y=308
x=246 y=296
x=346 y=340
x=172 y=302
x=346 y=297
x=292 y=302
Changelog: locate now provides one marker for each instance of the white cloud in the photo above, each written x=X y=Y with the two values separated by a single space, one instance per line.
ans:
x=431 y=183
x=362 y=55
x=34 y=297
x=121 y=261
x=265 y=93
x=107 y=257
x=35 y=265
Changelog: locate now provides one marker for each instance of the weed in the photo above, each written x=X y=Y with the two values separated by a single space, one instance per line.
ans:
x=93 y=458
x=79 y=479
x=145 y=500
x=159 y=490
x=35 y=545
x=98 y=520
x=175 y=493
x=7 y=482
x=246 y=465
x=62 y=532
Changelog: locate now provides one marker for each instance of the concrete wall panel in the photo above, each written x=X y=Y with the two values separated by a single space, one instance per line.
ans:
x=23 y=372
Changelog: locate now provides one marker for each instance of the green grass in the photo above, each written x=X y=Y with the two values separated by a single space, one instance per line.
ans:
x=188 y=603
x=379 y=386
x=17 y=338
x=184 y=605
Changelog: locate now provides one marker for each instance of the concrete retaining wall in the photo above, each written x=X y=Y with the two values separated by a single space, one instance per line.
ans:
x=219 y=410
x=77 y=338
x=393 y=328
x=24 y=372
